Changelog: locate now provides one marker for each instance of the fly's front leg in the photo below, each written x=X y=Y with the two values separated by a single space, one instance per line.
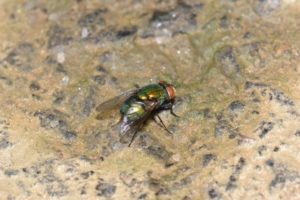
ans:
x=172 y=112
x=169 y=106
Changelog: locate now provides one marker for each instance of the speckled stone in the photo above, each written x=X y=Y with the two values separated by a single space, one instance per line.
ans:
x=235 y=66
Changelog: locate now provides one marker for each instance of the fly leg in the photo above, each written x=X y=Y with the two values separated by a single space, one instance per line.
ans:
x=169 y=106
x=172 y=112
x=133 y=137
x=161 y=124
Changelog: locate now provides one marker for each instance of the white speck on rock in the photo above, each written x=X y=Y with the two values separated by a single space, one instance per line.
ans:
x=65 y=80
x=84 y=32
x=60 y=57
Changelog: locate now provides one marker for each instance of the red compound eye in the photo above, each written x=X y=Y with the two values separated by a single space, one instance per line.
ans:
x=171 y=91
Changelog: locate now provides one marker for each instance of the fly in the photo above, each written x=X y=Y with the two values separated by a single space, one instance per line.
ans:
x=138 y=105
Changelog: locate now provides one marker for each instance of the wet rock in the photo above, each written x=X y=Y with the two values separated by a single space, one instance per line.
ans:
x=21 y=57
x=58 y=35
x=265 y=128
x=105 y=189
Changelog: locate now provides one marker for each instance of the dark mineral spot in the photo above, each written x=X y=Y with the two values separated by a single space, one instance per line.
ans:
x=271 y=93
x=4 y=143
x=58 y=36
x=34 y=86
x=232 y=183
x=21 y=57
x=265 y=7
x=227 y=61
x=223 y=127
x=187 y=198
x=11 y=172
x=159 y=152
x=105 y=189
x=207 y=158
x=224 y=23
x=93 y=19
x=270 y=163
x=297 y=133
x=265 y=128
x=69 y=135
x=282 y=176
x=54 y=120
x=99 y=79
x=59 y=97
x=83 y=191
x=213 y=194
x=178 y=20
x=86 y=175
x=57 y=189
x=6 y=81
x=261 y=149
x=236 y=106
x=158 y=187
x=143 y=196
x=126 y=32
x=276 y=149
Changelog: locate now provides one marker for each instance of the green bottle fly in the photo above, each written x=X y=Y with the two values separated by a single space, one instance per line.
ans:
x=141 y=104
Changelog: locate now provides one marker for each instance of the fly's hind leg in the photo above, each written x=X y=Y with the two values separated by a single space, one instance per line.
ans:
x=161 y=124
x=133 y=137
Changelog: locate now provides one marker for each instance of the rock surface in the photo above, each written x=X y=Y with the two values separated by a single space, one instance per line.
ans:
x=235 y=65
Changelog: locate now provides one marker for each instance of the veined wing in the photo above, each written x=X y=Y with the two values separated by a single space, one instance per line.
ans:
x=130 y=128
x=106 y=108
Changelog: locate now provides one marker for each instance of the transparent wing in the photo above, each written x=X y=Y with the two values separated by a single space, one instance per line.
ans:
x=106 y=108
x=129 y=128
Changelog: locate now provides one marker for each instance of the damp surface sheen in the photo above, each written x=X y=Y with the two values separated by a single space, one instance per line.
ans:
x=235 y=67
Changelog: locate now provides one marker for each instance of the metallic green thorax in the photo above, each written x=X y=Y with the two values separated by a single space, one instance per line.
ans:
x=134 y=107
